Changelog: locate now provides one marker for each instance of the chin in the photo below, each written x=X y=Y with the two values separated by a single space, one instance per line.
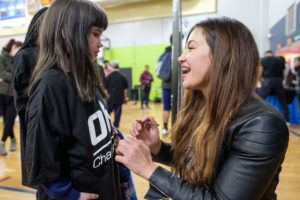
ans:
x=186 y=86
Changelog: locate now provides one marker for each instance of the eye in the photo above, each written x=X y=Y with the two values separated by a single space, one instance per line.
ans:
x=190 y=48
x=97 y=34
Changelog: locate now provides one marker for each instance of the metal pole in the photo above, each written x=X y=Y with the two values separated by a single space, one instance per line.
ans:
x=176 y=51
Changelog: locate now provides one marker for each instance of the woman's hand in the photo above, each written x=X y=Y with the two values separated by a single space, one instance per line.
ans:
x=135 y=155
x=87 y=196
x=147 y=131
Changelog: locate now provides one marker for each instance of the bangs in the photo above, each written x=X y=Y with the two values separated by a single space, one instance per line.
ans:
x=99 y=18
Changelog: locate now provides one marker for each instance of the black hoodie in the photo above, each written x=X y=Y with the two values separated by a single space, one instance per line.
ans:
x=69 y=138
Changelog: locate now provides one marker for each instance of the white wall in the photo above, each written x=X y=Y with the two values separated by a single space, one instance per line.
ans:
x=257 y=15
x=155 y=31
x=278 y=9
x=158 y=30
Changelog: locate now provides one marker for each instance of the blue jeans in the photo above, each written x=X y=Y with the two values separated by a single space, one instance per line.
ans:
x=117 y=108
x=145 y=91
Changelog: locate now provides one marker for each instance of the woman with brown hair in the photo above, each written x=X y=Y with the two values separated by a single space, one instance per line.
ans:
x=226 y=142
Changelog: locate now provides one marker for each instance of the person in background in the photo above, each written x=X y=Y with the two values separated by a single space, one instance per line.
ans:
x=166 y=87
x=227 y=143
x=288 y=83
x=286 y=73
x=146 y=79
x=70 y=141
x=24 y=63
x=6 y=100
x=106 y=68
x=272 y=83
x=116 y=86
x=297 y=69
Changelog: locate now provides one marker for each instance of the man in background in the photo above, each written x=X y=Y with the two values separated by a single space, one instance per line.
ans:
x=272 y=83
x=146 y=79
x=164 y=72
x=116 y=86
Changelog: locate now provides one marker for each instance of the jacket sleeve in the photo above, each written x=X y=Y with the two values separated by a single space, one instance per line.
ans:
x=47 y=137
x=256 y=154
x=23 y=65
x=20 y=75
x=4 y=73
x=164 y=155
x=61 y=190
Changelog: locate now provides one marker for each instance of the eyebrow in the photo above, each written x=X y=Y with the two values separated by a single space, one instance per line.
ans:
x=99 y=30
x=190 y=41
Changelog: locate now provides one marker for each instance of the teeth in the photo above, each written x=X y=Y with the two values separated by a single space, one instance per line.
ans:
x=186 y=70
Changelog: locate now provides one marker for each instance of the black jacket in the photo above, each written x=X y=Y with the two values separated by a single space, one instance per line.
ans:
x=273 y=67
x=248 y=165
x=24 y=63
x=6 y=61
x=69 y=138
x=116 y=84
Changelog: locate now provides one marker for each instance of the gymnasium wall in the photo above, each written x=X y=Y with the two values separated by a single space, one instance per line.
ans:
x=141 y=36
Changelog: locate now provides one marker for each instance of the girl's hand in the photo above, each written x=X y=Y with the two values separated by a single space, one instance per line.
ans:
x=147 y=131
x=87 y=196
x=135 y=155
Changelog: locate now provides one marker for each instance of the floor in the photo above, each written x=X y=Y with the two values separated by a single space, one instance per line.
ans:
x=10 y=174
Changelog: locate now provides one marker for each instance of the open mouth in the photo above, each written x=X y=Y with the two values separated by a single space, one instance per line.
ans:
x=186 y=70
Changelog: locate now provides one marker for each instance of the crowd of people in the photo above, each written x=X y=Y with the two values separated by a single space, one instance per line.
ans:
x=279 y=79
x=226 y=143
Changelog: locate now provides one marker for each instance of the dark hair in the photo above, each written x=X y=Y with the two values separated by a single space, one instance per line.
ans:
x=9 y=45
x=269 y=52
x=31 y=37
x=18 y=43
x=281 y=58
x=64 y=37
x=115 y=64
x=203 y=121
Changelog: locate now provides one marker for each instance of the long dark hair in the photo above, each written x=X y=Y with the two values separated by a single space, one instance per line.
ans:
x=203 y=121
x=31 y=37
x=64 y=43
x=9 y=45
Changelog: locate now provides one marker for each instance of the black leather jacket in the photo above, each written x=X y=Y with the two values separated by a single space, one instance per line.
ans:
x=248 y=166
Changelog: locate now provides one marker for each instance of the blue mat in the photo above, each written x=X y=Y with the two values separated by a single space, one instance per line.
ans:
x=293 y=108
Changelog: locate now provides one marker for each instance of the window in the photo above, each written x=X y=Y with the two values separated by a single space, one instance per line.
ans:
x=291 y=19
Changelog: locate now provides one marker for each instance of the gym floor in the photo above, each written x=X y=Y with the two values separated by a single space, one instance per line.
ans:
x=10 y=166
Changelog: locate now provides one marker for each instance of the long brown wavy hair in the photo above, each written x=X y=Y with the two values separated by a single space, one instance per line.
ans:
x=202 y=123
x=63 y=43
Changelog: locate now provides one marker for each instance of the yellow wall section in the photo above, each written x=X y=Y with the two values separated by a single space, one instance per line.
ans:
x=158 y=9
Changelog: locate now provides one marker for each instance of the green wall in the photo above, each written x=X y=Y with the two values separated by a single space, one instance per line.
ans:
x=137 y=57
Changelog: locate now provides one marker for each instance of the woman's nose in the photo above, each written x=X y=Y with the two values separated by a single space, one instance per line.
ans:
x=181 y=58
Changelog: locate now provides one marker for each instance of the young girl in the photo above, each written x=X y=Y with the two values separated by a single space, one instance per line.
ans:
x=226 y=142
x=70 y=145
